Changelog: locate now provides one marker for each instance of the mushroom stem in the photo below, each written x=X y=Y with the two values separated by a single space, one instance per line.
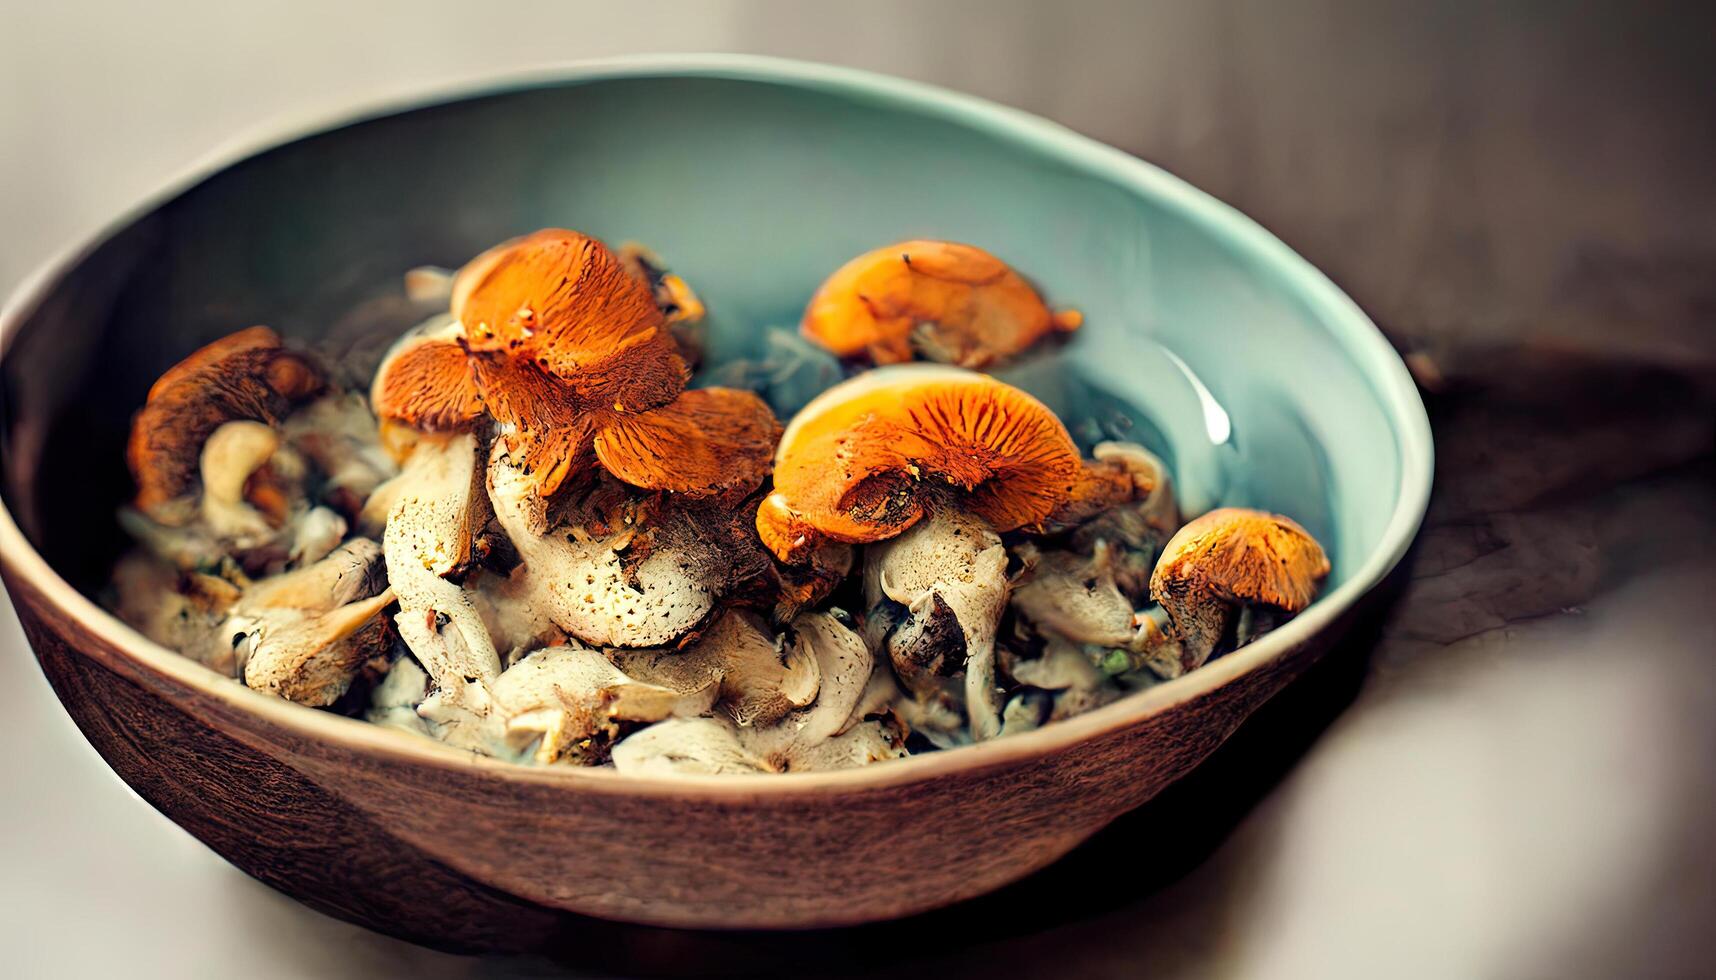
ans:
x=429 y=533
x=950 y=563
x=232 y=453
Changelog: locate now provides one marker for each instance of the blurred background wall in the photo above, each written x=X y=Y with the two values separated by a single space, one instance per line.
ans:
x=1465 y=169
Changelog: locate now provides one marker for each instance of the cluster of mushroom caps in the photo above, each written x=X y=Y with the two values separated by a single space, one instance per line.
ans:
x=532 y=540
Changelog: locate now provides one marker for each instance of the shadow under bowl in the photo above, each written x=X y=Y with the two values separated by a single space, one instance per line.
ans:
x=1255 y=378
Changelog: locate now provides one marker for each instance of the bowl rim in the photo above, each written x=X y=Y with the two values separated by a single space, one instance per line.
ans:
x=1377 y=360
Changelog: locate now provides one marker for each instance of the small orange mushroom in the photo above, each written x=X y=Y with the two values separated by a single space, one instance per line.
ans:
x=1231 y=558
x=944 y=301
x=568 y=351
x=248 y=375
x=861 y=462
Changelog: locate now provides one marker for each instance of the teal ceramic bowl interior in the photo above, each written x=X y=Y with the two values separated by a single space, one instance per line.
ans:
x=1258 y=381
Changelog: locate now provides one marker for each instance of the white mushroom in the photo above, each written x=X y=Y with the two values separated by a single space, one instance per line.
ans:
x=436 y=510
x=180 y=611
x=232 y=453
x=751 y=676
x=1074 y=596
x=316 y=534
x=588 y=586
x=827 y=734
x=696 y=679
x=312 y=660
x=338 y=434
x=950 y=564
x=678 y=746
x=393 y=703
x=304 y=635
x=1063 y=669
x=566 y=703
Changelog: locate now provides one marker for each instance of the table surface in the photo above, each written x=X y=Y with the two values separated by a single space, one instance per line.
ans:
x=1509 y=772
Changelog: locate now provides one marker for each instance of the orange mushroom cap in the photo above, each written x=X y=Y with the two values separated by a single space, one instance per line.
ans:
x=568 y=351
x=245 y=375
x=863 y=459
x=1231 y=557
x=950 y=302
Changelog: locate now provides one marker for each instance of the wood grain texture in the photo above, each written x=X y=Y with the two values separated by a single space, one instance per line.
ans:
x=483 y=858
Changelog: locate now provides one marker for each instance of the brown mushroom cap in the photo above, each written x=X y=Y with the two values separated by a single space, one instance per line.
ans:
x=568 y=351
x=1230 y=557
x=954 y=303
x=859 y=463
x=246 y=375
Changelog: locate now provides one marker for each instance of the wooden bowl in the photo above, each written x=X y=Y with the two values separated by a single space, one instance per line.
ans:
x=1258 y=380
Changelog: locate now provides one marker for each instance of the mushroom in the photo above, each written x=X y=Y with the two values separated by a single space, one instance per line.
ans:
x=1126 y=499
x=1073 y=596
x=248 y=375
x=243 y=469
x=312 y=659
x=231 y=454
x=557 y=343
x=755 y=680
x=680 y=746
x=627 y=587
x=949 y=573
x=179 y=610
x=304 y=635
x=1229 y=559
x=436 y=510
x=762 y=680
x=943 y=301
x=1076 y=684
x=318 y=532
x=566 y=704
x=696 y=679
x=865 y=458
x=680 y=308
x=825 y=734
x=338 y=434
x=393 y=703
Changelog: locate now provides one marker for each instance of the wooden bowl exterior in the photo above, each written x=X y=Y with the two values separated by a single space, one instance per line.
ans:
x=490 y=857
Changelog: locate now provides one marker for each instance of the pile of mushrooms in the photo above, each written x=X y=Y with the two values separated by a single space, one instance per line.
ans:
x=533 y=541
